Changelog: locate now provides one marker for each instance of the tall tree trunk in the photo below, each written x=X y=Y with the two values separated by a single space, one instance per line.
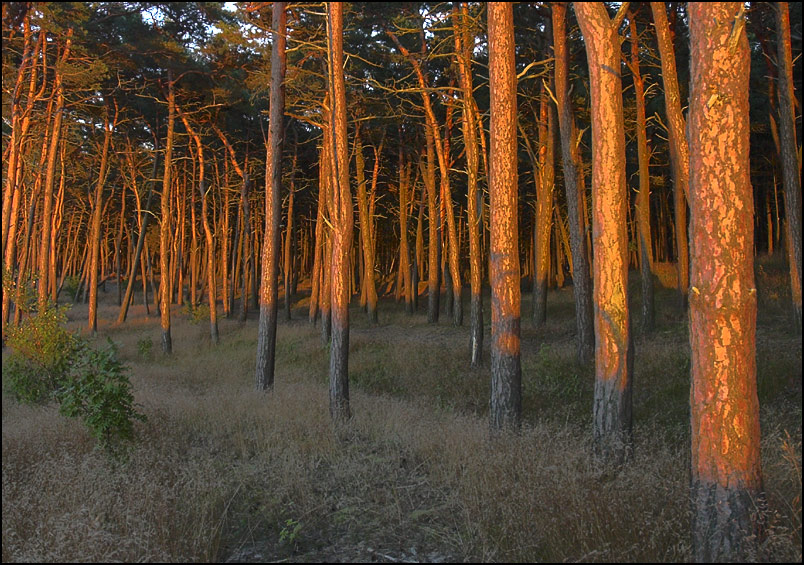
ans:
x=317 y=290
x=365 y=223
x=164 y=230
x=266 y=336
x=290 y=241
x=342 y=215
x=95 y=227
x=50 y=176
x=573 y=180
x=726 y=472
x=679 y=149
x=434 y=242
x=404 y=252
x=464 y=43
x=245 y=222
x=614 y=351
x=643 y=198
x=544 y=210
x=506 y=395
x=10 y=190
x=791 y=166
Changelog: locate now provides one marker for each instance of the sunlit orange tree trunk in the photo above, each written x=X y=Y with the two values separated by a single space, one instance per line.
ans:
x=679 y=150
x=791 y=166
x=506 y=396
x=164 y=229
x=726 y=473
x=95 y=227
x=50 y=176
x=202 y=189
x=266 y=334
x=341 y=213
x=613 y=350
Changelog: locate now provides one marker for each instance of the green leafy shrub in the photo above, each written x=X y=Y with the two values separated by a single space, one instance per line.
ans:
x=49 y=363
x=144 y=346
x=42 y=351
x=99 y=392
x=197 y=313
x=71 y=284
x=23 y=290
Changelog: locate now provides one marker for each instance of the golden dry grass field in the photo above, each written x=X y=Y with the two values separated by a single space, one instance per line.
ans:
x=222 y=473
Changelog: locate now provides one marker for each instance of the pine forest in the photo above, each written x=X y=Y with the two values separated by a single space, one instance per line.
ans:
x=401 y=282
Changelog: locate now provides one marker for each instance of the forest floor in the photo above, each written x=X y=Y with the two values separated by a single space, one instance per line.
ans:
x=220 y=472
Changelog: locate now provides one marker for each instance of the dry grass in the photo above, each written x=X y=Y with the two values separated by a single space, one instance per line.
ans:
x=223 y=473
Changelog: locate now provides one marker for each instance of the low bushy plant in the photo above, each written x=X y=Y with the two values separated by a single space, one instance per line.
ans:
x=41 y=353
x=197 y=313
x=99 y=392
x=47 y=363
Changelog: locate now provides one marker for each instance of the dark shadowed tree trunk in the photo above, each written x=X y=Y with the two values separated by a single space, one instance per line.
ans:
x=573 y=180
x=266 y=336
x=791 y=166
x=506 y=396
x=726 y=474
x=434 y=242
x=290 y=242
x=544 y=209
x=613 y=351
x=643 y=197
x=464 y=42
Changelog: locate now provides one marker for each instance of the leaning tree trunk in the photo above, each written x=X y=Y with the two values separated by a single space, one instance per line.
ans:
x=506 y=395
x=50 y=177
x=679 y=148
x=202 y=189
x=726 y=473
x=614 y=351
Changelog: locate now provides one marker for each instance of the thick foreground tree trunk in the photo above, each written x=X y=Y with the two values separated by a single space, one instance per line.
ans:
x=506 y=395
x=342 y=216
x=726 y=474
x=614 y=350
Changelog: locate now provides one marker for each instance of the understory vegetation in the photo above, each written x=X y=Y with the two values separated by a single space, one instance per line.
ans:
x=220 y=472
